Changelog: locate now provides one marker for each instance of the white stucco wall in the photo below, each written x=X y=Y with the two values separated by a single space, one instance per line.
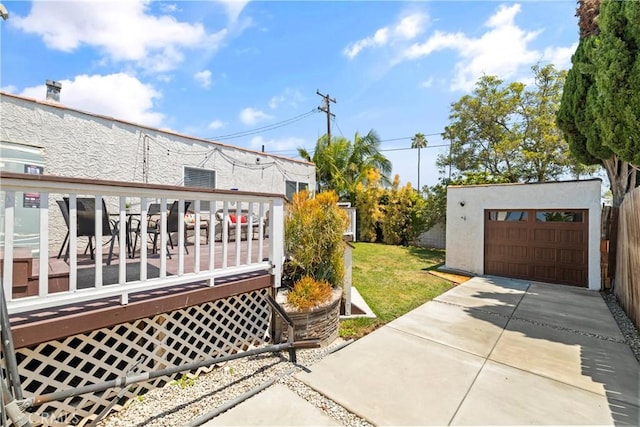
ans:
x=465 y=224
x=83 y=145
x=79 y=144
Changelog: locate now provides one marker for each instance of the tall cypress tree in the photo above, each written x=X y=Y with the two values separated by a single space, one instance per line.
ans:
x=600 y=107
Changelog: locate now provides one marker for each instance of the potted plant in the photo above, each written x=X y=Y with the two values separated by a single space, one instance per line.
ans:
x=314 y=270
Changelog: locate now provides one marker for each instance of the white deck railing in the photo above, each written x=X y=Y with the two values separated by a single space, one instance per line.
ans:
x=266 y=209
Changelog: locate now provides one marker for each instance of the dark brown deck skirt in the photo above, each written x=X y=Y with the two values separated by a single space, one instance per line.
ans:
x=40 y=326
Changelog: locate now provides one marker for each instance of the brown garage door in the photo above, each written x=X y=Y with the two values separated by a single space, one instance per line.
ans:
x=542 y=244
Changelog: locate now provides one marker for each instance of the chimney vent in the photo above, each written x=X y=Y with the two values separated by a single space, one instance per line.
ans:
x=53 y=90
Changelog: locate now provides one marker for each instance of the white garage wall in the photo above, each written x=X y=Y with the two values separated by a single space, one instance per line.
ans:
x=465 y=217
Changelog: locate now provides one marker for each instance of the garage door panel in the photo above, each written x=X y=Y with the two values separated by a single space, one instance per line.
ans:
x=544 y=236
x=548 y=245
x=572 y=256
x=511 y=252
x=573 y=237
x=544 y=273
x=517 y=234
x=518 y=269
x=543 y=254
x=571 y=276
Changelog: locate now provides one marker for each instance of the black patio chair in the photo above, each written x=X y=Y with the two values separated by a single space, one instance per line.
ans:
x=154 y=227
x=86 y=224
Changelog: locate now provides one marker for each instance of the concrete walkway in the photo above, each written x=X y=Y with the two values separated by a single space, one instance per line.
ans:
x=491 y=351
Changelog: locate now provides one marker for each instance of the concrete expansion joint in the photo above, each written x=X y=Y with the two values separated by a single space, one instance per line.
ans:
x=474 y=309
x=534 y=322
x=573 y=331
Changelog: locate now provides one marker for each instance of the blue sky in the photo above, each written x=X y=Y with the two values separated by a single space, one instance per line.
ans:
x=216 y=68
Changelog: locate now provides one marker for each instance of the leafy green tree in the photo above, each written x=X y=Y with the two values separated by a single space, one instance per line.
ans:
x=419 y=141
x=341 y=165
x=367 y=203
x=435 y=206
x=600 y=107
x=482 y=132
x=509 y=130
x=402 y=219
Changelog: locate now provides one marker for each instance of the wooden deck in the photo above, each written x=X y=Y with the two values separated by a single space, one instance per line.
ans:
x=39 y=326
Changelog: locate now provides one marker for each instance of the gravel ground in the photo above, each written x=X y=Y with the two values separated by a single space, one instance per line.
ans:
x=176 y=404
x=628 y=329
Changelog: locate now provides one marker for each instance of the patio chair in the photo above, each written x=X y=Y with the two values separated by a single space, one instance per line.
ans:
x=64 y=210
x=190 y=225
x=86 y=224
x=154 y=229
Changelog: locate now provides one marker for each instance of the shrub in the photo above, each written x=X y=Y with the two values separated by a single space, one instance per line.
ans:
x=368 y=205
x=403 y=219
x=308 y=293
x=314 y=229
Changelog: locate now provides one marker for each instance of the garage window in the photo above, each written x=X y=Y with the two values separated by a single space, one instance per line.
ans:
x=508 y=216
x=559 y=216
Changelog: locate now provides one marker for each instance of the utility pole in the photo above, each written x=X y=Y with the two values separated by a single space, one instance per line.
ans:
x=326 y=108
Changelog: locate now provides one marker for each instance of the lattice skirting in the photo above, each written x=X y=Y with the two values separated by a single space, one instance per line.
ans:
x=216 y=328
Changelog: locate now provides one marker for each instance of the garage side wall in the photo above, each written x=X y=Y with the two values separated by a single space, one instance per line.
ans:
x=465 y=217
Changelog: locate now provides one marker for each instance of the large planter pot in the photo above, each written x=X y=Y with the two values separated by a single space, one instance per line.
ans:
x=320 y=322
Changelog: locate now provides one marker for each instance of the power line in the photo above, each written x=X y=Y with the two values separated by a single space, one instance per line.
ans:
x=338 y=126
x=264 y=128
x=409 y=148
x=409 y=137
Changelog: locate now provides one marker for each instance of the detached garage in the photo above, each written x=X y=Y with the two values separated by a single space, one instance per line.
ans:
x=545 y=232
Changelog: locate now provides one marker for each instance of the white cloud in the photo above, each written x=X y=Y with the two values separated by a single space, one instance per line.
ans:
x=203 y=78
x=216 y=124
x=291 y=97
x=251 y=116
x=407 y=28
x=9 y=89
x=234 y=8
x=169 y=7
x=118 y=95
x=427 y=83
x=560 y=57
x=121 y=30
x=284 y=144
x=502 y=50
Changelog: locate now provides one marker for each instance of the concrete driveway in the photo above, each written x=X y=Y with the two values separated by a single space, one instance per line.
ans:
x=491 y=351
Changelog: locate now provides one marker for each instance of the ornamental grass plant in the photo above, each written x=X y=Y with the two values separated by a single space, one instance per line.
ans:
x=314 y=244
x=308 y=293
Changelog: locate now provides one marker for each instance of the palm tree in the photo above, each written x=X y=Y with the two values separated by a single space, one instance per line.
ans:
x=419 y=141
x=341 y=165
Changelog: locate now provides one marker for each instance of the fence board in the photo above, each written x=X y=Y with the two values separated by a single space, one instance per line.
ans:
x=627 y=282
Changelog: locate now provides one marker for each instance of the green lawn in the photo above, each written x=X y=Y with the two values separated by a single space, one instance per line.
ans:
x=393 y=280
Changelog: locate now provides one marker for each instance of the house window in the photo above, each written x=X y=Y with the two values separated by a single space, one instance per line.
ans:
x=204 y=178
x=292 y=187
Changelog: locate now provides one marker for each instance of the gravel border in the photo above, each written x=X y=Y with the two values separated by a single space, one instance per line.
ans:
x=628 y=329
x=177 y=404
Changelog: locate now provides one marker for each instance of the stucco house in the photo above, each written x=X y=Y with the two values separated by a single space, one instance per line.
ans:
x=45 y=137
x=546 y=232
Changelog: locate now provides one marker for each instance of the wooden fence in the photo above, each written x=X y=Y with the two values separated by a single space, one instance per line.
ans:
x=627 y=283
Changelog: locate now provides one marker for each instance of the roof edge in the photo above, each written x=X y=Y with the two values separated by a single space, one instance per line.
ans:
x=525 y=183
x=164 y=131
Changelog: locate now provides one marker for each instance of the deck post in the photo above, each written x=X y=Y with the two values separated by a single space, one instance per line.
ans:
x=276 y=240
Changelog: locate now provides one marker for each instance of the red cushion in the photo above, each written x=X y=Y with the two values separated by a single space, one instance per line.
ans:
x=232 y=217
